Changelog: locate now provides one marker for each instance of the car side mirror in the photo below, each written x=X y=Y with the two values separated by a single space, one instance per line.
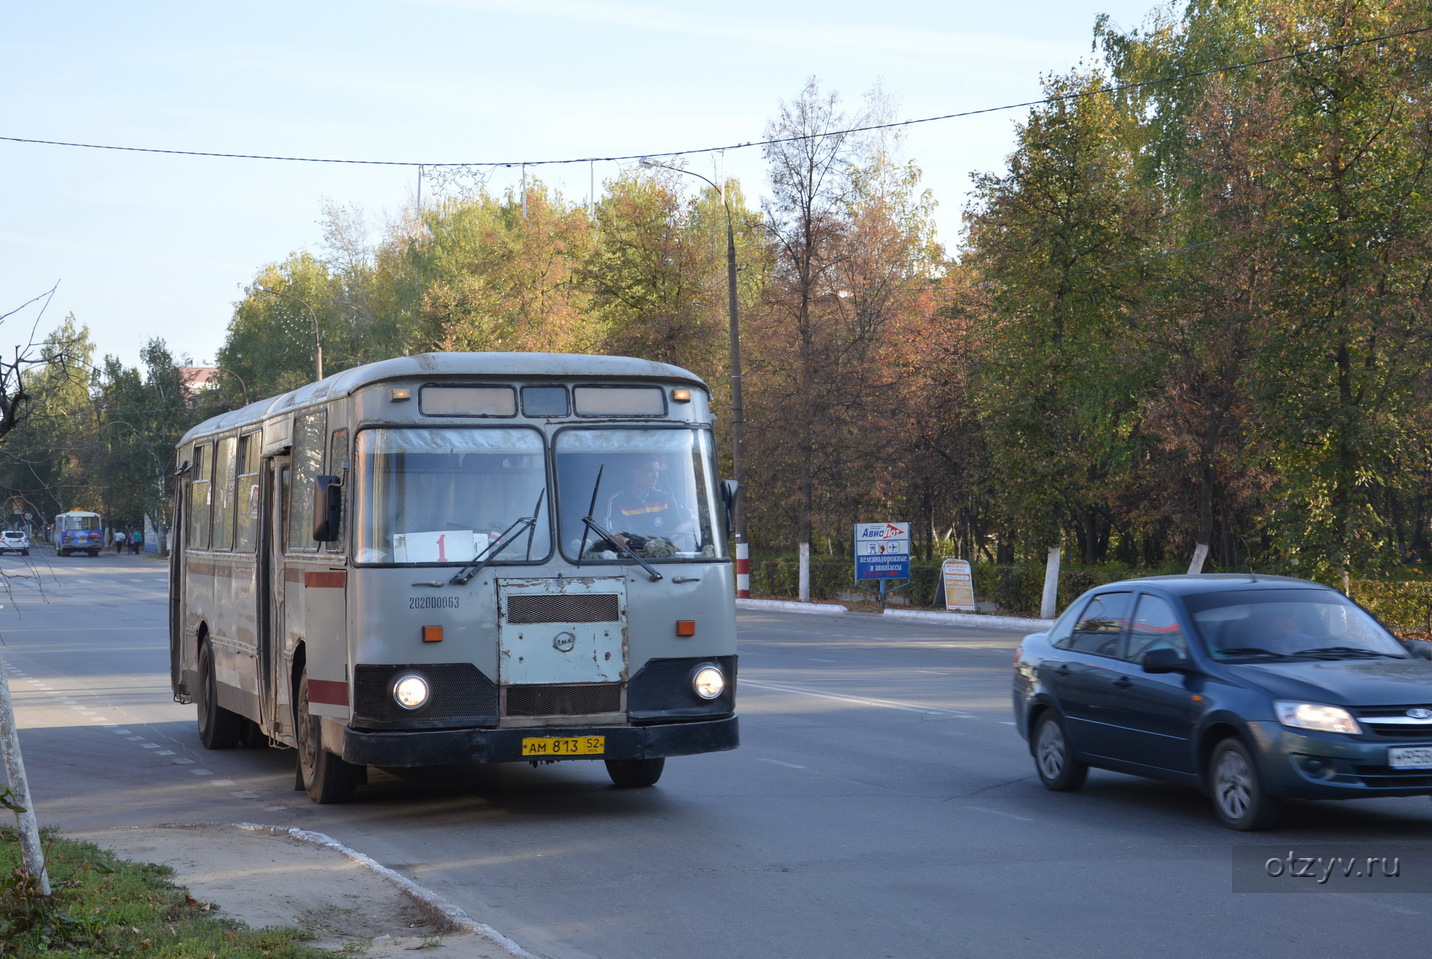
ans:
x=1418 y=648
x=1165 y=660
x=327 y=508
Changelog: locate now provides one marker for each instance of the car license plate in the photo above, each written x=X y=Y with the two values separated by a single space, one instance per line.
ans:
x=565 y=746
x=1410 y=757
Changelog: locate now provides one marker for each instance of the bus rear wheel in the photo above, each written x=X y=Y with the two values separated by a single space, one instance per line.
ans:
x=635 y=773
x=325 y=777
x=218 y=727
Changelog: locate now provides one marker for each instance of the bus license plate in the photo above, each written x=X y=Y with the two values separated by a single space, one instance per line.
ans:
x=566 y=746
x=1410 y=757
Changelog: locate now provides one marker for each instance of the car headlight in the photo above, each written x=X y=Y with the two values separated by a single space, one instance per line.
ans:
x=1323 y=719
x=411 y=691
x=708 y=682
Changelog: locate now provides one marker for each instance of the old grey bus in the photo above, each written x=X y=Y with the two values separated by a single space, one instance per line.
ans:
x=459 y=558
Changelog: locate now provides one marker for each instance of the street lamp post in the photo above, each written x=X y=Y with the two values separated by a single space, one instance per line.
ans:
x=738 y=466
x=317 y=339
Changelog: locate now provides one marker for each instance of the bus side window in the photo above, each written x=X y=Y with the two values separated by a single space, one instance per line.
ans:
x=247 y=496
x=200 y=503
x=337 y=465
x=308 y=437
x=224 y=467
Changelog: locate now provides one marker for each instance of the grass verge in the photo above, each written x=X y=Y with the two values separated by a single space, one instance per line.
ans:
x=100 y=905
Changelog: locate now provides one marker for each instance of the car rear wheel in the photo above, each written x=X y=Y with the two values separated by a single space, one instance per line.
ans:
x=1238 y=797
x=1057 y=770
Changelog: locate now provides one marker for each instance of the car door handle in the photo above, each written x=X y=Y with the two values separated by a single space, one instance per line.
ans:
x=1123 y=682
x=1062 y=669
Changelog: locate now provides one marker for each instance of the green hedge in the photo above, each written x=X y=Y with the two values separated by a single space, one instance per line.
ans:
x=1019 y=589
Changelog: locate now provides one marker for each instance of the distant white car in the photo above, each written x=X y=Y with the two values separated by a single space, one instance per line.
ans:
x=14 y=541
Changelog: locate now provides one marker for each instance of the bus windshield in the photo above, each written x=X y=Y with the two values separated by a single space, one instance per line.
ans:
x=83 y=521
x=446 y=495
x=651 y=489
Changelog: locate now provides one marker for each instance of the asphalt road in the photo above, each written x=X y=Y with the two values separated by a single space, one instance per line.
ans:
x=881 y=804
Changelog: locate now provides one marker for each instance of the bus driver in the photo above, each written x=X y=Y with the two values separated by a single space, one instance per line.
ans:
x=645 y=511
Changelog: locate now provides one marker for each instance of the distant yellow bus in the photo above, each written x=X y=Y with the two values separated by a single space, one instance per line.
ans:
x=439 y=559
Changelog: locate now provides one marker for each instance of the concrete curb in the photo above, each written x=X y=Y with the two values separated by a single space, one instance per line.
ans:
x=437 y=908
x=789 y=606
x=977 y=620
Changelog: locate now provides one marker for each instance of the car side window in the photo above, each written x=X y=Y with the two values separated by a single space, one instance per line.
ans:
x=1154 y=626
x=1101 y=624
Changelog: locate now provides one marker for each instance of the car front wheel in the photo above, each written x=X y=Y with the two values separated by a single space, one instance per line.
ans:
x=1238 y=796
x=1057 y=770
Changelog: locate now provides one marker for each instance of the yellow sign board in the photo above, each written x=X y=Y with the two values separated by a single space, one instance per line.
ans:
x=959 y=585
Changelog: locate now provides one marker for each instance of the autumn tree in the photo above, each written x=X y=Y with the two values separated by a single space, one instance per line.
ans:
x=805 y=374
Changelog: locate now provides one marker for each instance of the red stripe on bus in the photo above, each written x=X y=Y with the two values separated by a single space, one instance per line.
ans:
x=326 y=579
x=328 y=692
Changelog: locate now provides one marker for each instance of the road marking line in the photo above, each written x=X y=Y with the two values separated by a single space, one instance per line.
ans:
x=859 y=700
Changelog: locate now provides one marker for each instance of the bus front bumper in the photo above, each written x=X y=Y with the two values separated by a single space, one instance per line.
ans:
x=456 y=746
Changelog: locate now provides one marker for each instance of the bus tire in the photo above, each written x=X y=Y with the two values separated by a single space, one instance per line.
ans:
x=635 y=773
x=326 y=778
x=218 y=728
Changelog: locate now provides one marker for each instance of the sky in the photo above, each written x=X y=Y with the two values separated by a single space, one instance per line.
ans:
x=140 y=244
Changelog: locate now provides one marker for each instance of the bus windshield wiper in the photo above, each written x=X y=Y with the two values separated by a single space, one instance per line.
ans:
x=508 y=537
x=485 y=558
x=621 y=546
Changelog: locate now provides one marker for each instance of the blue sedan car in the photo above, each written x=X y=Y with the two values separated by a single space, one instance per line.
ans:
x=1253 y=688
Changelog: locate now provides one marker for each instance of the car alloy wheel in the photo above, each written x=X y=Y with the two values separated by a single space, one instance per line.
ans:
x=1057 y=770
x=1238 y=796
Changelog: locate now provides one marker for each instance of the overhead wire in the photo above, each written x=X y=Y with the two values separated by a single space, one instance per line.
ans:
x=770 y=141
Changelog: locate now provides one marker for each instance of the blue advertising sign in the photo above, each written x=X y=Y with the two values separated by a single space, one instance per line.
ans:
x=882 y=551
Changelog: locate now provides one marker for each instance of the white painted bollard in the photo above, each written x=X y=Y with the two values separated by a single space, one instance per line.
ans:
x=1051 y=585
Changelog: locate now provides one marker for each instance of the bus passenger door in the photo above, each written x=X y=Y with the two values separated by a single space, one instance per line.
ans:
x=273 y=676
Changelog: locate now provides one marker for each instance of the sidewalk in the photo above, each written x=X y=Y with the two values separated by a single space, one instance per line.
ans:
x=266 y=876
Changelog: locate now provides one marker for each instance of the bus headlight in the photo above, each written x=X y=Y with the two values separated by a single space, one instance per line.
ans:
x=411 y=691
x=708 y=682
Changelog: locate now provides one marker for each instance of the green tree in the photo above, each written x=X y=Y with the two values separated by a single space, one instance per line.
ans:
x=44 y=456
x=1348 y=167
x=271 y=342
x=1060 y=235
x=501 y=275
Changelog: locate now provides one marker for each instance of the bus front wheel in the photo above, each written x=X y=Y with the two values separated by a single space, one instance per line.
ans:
x=218 y=727
x=325 y=777
x=635 y=773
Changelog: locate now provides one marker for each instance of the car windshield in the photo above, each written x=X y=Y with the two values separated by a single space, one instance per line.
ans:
x=1271 y=624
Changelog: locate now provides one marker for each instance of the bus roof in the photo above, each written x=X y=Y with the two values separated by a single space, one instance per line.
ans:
x=504 y=366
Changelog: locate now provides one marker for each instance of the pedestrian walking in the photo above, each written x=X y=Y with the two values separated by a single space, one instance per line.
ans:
x=119 y=541
x=136 y=541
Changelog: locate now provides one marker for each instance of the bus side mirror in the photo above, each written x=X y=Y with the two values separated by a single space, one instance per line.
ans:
x=729 y=491
x=327 y=508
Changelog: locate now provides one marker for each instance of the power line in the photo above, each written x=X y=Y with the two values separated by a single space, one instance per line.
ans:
x=1101 y=91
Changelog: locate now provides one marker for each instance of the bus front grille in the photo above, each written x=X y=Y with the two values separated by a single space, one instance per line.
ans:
x=576 y=699
x=524 y=608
